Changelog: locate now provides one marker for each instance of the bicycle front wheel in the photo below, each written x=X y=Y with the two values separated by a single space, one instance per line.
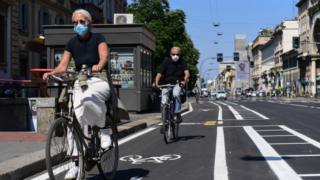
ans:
x=63 y=148
x=167 y=127
x=176 y=130
x=108 y=163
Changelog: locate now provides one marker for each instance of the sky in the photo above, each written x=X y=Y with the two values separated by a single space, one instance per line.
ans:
x=235 y=17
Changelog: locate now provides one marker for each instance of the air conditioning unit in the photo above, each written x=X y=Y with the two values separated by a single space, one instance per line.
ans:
x=123 y=19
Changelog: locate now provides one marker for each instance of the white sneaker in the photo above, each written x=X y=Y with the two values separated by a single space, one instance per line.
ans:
x=72 y=172
x=105 y=138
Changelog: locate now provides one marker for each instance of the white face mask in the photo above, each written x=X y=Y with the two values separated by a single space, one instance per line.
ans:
x=175 y=58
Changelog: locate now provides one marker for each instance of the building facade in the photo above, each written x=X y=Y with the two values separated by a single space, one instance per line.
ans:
x=309 y=28
x=21 y=21
x=271 y=62
x=256 y=73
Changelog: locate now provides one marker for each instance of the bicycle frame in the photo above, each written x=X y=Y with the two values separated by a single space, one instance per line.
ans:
x=69 y=115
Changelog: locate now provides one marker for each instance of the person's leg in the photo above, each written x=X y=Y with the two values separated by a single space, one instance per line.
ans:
x=176 y=95
x=95 y=108
x=164 y=100
x=90 y=107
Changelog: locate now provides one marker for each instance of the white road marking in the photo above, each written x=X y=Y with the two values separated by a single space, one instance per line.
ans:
x=219 y=112
x=233 y=103
x=135 y=135
x=267 y=130
x=255 y=112
x=235 y=113
x=190 y=123
x=56 y=171
x=190 y=110
x=220 y=171
x=309 y=175
x=136 y=178
x=305 y=138
x=301 y=155
x=251 y=126
x=299 y=105
x=277 y=135
x=278 y=165
x=292 y=143
x=251 y=119
x=138 y=159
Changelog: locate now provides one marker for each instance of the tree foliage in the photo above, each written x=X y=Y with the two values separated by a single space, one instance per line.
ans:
x=169 y=29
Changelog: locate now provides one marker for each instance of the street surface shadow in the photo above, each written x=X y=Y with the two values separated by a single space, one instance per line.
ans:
x=127 y=174
x=261 y=158
x=187 y=138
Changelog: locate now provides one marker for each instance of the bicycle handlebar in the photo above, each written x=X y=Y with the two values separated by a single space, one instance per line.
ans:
x=166 y=85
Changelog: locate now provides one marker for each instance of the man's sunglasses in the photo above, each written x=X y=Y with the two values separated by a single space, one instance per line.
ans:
x=175 y=54
x=80 y=21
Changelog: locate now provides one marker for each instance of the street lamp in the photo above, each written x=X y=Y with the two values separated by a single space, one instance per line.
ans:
x=205 y=74
x=204 y=60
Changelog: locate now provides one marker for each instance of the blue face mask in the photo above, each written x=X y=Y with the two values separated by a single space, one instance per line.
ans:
x=81 y=29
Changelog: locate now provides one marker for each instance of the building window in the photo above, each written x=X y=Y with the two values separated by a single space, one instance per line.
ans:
x=59 y=20
x=60 y=2
x=110 y=11
x=44 y=19
x=2 y=39
x=23 y=16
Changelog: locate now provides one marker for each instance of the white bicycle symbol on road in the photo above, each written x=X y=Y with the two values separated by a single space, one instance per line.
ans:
x=138 y=159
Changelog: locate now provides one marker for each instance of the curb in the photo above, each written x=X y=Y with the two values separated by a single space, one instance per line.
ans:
x=32 y=163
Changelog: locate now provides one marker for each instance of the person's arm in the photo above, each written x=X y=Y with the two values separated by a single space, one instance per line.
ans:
x=62 y=67
x=186 y=77
x=103 y=57
x=158 y=77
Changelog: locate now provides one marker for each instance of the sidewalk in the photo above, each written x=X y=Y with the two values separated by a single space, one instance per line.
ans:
x=23 y=153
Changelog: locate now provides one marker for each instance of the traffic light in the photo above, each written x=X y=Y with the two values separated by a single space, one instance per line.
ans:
x=295 y=42
x=219 y=57
x=236 y=56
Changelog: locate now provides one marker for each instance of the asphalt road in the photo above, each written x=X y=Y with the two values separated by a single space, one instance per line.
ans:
x=229 y=140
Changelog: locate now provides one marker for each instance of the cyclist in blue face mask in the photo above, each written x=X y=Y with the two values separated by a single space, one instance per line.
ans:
x=89 y=106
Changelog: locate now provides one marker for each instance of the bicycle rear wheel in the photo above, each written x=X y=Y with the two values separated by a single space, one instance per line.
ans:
x=108 y=163
x=60 y=151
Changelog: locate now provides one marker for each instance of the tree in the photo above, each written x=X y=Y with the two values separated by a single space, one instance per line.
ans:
x=169 y=29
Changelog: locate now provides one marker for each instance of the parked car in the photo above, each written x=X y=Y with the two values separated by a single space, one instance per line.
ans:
x=221 y=95
x=254 y=94
x=262 y=93
x=238 y=92
x=213 y=94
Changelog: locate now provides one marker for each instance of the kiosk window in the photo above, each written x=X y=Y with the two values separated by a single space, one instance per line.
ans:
x=122 y=67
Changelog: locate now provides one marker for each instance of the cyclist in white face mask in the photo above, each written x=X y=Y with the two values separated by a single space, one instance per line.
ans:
x=173 y=70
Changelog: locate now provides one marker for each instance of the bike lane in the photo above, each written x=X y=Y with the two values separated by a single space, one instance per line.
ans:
x=190 y=157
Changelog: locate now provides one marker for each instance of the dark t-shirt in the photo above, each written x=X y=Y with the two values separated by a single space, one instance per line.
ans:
x=85 y=51
x=172 y=71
